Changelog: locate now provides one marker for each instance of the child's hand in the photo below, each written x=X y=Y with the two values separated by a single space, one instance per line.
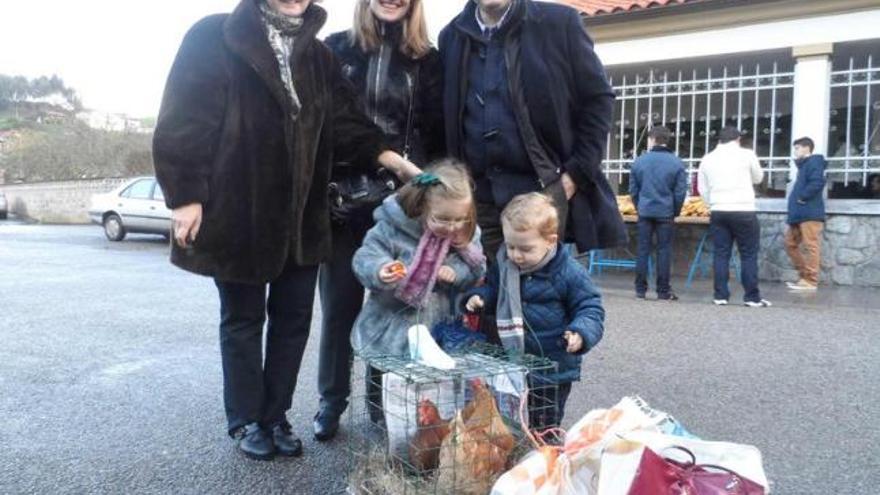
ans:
x=446 y=274
x=392 y=272
x=574 y=340
x=474 y=304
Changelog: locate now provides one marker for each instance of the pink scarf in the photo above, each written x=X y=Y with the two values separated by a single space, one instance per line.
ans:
x=421 y=274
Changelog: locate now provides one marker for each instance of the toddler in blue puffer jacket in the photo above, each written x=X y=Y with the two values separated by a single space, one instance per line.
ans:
x=545 y=302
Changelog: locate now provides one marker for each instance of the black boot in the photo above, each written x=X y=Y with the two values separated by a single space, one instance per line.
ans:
x=326 y=425
x=255 y=442
x=286 y=443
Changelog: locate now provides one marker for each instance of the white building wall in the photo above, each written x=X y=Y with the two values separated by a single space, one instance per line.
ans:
x=757 y=37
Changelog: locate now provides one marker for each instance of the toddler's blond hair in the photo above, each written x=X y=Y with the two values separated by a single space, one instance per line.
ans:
x=532 y=211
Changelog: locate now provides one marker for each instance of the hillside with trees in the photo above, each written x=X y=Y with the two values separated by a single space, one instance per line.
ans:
x=42 y=139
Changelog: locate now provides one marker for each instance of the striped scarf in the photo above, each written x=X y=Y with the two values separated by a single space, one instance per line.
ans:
x=509 y=312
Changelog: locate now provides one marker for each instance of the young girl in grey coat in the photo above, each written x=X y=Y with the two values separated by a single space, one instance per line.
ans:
x=423 y=251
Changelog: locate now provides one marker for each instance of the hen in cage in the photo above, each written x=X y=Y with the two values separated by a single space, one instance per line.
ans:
x=424 y=449
x=442 y=431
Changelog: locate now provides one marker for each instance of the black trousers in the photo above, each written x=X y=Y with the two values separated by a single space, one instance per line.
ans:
x=744 y=229
x=257 y=388
x=647 y=229
x=341 y=299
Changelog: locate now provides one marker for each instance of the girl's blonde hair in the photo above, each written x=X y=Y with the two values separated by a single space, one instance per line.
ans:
x=454 y=184
x=414 y=42
x=532 y=211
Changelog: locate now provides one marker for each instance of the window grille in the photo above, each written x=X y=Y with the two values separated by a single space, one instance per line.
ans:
x=695 y=105
x=854 y=128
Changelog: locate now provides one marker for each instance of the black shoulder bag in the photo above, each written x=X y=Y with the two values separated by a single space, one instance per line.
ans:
x=359 y=193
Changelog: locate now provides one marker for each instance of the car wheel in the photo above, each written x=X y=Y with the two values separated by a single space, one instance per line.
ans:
x=3 y=215
x=113 y=228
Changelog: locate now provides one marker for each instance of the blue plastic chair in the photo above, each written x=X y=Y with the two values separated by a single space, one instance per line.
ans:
x=702 y=265
x=597 y=262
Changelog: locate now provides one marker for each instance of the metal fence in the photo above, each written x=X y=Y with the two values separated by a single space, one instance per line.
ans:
x=854 y=128
x=695 y=106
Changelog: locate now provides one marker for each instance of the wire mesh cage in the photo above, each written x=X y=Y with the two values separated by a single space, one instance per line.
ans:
x=414 y=429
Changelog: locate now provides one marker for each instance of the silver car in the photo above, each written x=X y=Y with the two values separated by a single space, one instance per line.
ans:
x=138 y=206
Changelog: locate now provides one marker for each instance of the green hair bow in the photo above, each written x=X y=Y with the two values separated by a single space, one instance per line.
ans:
x=425 y=179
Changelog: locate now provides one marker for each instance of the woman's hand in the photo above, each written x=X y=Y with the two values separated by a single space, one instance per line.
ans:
x=568 y=185
x=185 y=223
x=574 y=340
x=400 y=166
x=474 y=304
x=391 y=273
x=446 y=274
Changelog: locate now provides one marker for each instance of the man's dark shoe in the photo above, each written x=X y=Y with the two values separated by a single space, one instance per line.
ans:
x=668 y=297
x=286 y=443
x=640 y=295
x=326 y=425
x=255 y=442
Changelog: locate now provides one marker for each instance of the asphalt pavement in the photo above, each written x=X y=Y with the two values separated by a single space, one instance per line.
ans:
x=110 y=376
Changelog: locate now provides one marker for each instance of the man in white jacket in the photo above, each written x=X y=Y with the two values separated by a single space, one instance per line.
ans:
x=726 y=182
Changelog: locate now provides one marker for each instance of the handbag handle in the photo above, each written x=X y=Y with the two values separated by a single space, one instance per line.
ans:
x=687 y=451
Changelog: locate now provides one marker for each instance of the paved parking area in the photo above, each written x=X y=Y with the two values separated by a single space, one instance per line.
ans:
x=110 y=376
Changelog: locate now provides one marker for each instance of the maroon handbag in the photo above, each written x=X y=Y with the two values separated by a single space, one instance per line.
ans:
x=663 y=476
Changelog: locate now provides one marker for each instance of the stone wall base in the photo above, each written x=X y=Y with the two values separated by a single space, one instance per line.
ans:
x=850 y=250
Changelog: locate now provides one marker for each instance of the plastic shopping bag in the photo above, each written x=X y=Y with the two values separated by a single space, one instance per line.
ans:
x=574 y=469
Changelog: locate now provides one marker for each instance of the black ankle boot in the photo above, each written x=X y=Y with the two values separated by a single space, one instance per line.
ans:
x=326 y=426
x=286 y=443
x=255 y=442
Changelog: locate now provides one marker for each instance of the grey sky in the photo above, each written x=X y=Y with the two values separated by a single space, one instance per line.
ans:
x=116 y=53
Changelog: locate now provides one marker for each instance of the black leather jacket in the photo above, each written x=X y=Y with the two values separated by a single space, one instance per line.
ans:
x=397 y=93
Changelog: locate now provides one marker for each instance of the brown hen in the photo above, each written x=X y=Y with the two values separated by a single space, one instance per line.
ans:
x=424 y=449
x=478 y=447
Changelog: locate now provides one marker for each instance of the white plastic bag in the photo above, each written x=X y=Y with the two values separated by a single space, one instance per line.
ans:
x=574 y=471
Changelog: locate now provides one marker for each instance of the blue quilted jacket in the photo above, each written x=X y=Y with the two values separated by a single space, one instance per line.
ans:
x=557 y=298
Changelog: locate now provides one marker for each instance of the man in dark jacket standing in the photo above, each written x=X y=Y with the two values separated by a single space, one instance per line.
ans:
x=806 y=215
x=528 y=107
x=658 y=185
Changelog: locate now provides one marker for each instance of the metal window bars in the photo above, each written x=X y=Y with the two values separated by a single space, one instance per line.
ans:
x=695 y=107
x=854 y=126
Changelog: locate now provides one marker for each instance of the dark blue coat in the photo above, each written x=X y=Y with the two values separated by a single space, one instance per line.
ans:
x=805 y=202
x=559 y=297
x=563 y=106
x=658 y=183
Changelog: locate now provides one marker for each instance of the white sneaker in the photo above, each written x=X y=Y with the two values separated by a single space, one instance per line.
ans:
x=802 y=285
x=763 y=303
x=719 y=302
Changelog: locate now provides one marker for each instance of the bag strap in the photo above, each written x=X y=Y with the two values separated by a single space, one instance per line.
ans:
x=690 y=454
x=412 y=82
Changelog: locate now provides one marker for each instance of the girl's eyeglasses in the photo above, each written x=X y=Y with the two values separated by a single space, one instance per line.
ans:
x=449 y=223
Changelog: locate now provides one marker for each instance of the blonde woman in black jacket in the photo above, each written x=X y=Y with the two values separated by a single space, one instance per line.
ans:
x=388 y=58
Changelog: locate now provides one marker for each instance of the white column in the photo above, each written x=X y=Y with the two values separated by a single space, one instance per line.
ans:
x=811 y=108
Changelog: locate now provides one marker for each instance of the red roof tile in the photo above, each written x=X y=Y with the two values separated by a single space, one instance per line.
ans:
x=604 y=7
